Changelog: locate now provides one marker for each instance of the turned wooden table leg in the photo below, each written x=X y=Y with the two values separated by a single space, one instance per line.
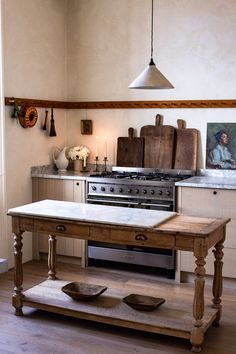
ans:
x=18 y=274
x=197 y=335
x=217 y=281
x=52 y=254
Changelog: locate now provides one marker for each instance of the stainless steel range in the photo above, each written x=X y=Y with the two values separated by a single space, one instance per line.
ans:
x=135 y=188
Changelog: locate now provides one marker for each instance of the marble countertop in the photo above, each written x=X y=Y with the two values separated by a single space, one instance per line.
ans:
x=48 y=171
x=91 y=213
x=218 y=182
x=218 y=179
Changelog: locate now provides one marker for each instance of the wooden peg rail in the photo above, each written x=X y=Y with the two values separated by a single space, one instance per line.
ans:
x=123 y=104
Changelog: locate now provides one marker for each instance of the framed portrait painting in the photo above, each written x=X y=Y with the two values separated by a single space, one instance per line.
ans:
x=221 y=146
x=86 y=127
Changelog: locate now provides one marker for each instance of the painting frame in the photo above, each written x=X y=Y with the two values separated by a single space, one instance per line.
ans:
x=221 y=146
x=86 y=127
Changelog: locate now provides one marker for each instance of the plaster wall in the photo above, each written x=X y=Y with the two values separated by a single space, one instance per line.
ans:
x=109 y=46
x=86 y=50
x=34 y=53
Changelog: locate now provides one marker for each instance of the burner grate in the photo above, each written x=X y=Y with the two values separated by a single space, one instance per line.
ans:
x=142 y=176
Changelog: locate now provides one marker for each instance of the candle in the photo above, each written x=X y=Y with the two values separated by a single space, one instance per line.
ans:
x=96 y=147
x=105 y=140
x=84 y=161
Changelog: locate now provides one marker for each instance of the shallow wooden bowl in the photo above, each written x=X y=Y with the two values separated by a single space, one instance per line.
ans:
x=83 y=291
x=143 y=302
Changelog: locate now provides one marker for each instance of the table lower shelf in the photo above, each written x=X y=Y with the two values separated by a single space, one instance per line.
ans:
x=172 y=318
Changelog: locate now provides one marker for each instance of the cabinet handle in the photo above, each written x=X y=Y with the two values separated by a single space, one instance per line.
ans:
x=141 y=237
x=77 y=183
x=215 y=192
x=60 y=228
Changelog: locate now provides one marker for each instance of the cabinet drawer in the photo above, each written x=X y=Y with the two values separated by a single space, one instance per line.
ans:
x=99 y=234
x=208 y=202
x=61 y=228
x=145 y=239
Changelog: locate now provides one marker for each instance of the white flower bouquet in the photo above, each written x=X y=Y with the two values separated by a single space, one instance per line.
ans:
x=78 y=153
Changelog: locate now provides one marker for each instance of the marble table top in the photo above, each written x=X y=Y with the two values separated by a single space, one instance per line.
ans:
x=93 y=213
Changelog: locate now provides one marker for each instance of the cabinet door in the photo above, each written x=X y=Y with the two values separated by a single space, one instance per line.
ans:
x=210 y=203
x=79 y=191
x=207 y=202
x=65 y=190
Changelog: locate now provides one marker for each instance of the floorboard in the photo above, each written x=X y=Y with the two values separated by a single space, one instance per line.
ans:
x=39 y=332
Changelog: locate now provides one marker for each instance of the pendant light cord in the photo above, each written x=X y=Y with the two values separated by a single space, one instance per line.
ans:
x=151 y=77
x=151 y=61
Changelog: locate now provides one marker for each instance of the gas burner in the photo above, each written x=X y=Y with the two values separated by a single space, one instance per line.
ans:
x=160 y=177
x=103 y=175
x=145 y=174
x=122 y=175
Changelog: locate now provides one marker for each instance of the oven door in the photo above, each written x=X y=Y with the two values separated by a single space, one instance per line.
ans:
x=137 y=256
x=132 y=203
x=129 y=203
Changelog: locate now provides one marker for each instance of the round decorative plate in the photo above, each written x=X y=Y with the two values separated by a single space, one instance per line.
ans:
x=28 y=117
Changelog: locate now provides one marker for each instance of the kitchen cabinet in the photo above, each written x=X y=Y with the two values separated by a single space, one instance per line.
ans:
x=65 y=190
x=210 y=202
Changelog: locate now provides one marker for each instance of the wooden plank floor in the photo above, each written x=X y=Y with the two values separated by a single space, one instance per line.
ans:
x=39 y=332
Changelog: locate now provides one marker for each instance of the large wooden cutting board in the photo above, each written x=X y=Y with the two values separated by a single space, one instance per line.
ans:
x=159 y=144
x=130 y=150
x=186 y=147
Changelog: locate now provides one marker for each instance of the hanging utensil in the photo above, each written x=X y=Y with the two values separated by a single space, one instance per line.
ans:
x=52 y=125
x=45 y=120
x=28 y=116
x=16 y=109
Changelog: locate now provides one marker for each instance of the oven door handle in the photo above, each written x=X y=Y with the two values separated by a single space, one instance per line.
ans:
x=157 y=205
x=108 y=201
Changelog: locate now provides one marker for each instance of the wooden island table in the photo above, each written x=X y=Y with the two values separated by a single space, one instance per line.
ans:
x=146 y=228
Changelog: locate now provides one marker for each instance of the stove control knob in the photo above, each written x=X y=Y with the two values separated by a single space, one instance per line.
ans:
x=167 y=192
x=111 y=189
x=120 y=190
x=160 y=192
x=103 y=189
x=144 y=191
x=129 y=190
x=152 y=191
x=94 y=188
x=136 y=191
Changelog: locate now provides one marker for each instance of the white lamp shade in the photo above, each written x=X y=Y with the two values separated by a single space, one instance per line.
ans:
x=151 y=78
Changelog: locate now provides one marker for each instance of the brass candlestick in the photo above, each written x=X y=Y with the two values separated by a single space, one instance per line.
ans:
x=96 y=164
x=105 y=164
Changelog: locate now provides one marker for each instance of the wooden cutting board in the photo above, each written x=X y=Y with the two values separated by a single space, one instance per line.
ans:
x=186 y=147
x=159 y=144
x=130 y=150
x=147 y=130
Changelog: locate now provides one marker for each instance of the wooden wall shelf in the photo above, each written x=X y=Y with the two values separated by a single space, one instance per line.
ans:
x=124 y=104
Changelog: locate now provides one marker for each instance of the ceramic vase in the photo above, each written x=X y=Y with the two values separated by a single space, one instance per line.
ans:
x=77 y=165
x=61 y=160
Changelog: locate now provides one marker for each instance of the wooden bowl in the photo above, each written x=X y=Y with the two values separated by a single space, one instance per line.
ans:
x=83 y=291
x=143 y=302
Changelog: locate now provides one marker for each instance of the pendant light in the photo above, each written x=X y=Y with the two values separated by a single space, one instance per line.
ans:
x=151 y=77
